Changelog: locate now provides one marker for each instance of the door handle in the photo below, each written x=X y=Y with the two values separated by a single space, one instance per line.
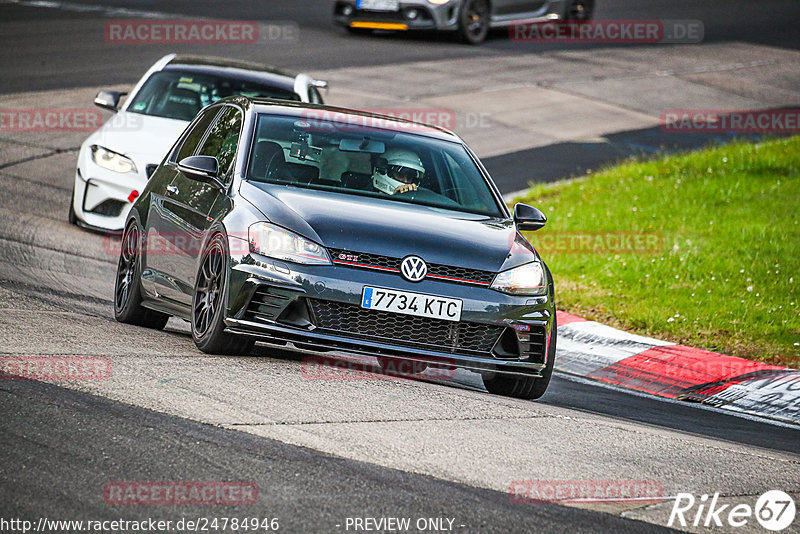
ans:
x=172 y=189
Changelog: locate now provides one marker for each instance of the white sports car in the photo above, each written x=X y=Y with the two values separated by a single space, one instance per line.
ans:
x=116 y=161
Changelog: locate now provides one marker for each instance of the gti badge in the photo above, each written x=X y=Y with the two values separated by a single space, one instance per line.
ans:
x=413 y=268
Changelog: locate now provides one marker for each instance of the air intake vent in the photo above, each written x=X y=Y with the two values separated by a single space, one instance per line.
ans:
x=351 y=320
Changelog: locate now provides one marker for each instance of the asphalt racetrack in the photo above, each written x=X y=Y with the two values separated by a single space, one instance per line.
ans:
x=321 y=452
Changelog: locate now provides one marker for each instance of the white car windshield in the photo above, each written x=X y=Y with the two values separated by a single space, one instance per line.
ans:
x=180 y=95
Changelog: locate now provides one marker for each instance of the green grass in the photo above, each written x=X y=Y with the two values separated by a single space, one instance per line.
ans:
x=726 y=277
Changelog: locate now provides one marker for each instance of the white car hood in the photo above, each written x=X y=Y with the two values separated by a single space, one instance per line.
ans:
x=143 y=138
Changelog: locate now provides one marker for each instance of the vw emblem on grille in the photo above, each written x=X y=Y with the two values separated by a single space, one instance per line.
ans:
x=413 y=268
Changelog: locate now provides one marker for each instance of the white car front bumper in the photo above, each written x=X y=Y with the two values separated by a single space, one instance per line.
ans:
x=103 y=198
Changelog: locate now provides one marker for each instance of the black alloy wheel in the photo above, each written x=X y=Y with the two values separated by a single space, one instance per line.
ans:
x=127 y=290
x=208 y=304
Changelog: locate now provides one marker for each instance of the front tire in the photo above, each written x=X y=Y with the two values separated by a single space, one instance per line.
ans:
x=208 y=304
x=473 y=21
x=71 y=216
x=524 y=387
x=127 y=287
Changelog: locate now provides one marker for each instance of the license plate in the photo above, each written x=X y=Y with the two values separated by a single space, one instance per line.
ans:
x=391 y=300
x=378 y=5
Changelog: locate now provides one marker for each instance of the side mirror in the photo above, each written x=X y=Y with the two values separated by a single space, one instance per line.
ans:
x=109 y=100
x=200 y=167
x=528 y=217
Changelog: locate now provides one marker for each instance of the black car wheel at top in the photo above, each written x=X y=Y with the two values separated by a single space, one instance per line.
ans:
x=474 y=21
x=271 y=221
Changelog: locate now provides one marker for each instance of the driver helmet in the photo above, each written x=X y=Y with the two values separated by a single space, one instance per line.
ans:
x=398 y=166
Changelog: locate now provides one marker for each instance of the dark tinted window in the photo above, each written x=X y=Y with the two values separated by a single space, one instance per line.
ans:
x=223 y=139
x=195 y=136
x=340 y=155
x=180 y=95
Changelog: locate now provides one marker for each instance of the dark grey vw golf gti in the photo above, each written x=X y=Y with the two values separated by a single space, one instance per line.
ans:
x=336 y=229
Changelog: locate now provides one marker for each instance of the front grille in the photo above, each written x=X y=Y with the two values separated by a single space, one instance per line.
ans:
x=357 y=259
x=461 y=274
x=406 y=330
x=386 y=16
x=381 y=16
x=447 y=273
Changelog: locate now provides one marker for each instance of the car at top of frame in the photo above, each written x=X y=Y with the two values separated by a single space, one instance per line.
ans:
x=336 y=229
x=115 y=162
x=471 y=20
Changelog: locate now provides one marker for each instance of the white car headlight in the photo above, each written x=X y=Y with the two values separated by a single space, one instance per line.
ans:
x=275 y=242
x=112 y=161
x=528 y=279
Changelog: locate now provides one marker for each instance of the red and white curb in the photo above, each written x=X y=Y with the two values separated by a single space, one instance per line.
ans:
x=598 y=352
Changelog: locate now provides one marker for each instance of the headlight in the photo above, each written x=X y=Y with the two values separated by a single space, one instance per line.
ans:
x=275 y=242
x=526 y=279
x=111 y=160
x=438 y=2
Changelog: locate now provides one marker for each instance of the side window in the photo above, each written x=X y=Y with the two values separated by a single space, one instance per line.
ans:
x=196 y=134
x=223 y=139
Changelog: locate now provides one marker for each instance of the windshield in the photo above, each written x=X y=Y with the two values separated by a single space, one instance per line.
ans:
x=368 y=161
x=180 y=95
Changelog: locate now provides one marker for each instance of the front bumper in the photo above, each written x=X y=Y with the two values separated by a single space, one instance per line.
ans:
x=280 y=302
x=103 y=198
x=412 y=15
x=427 y=16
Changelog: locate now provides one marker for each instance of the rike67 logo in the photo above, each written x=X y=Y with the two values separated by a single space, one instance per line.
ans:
x=774 y=510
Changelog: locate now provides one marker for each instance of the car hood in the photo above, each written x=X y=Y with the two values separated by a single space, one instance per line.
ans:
x=143 y=138
x=391 y=228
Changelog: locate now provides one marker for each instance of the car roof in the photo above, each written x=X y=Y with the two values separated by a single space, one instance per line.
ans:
x=343 y=115
x=240 y=70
